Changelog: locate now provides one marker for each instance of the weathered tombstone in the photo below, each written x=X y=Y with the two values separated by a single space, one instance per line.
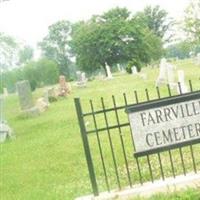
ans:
x=108 y=72
x=64 y=87
x=134 y=70
x=5 y=92
x=166 y=75
x=181 y=80
x=78 y=75
x=162 y=78
x=198 y=59
x=5 y=130
x=81 y=79
x=25 y=98
x=52 y=95
x=170 y=75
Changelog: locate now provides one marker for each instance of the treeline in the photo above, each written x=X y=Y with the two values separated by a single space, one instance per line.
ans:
x=115 y=37
x=182 y=50
x=39 y=73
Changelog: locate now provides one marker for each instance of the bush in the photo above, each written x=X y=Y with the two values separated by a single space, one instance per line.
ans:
x=134 y=62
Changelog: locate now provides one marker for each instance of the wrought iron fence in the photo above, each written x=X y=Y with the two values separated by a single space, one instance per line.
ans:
x=109 y=146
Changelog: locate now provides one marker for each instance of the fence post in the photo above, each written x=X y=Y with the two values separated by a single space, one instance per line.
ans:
x=86 y=146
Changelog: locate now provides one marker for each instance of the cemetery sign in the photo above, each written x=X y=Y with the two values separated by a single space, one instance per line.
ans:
x=166 y=123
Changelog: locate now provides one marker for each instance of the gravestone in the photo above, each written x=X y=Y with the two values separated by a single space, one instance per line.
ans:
x=5 y=92
x=181 y=80
x=108 y=72
x=64 y=87
x=162 y=78
x=166 y=74
x=81 y=79
x=5 y=130
x=25 y=98
x=51 y=94
x=134 y=70
x=170 y=75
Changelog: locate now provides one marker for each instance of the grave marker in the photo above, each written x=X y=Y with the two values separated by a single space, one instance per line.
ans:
x=109 y=74
x=134 y=70
x=26 y=99
x=182 y=88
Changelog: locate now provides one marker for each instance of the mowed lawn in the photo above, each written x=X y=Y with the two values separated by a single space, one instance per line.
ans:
x=46 y=160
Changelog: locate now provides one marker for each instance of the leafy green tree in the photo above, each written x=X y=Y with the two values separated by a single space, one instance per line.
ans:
x=113 y=38
x=8 y=51
x=39 y=73
x=50 y=71
x=157 y=20
x=55 y=45
x=25 y=54
x=192 y=20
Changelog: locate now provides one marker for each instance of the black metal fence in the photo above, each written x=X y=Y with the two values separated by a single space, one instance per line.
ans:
x=109 y=145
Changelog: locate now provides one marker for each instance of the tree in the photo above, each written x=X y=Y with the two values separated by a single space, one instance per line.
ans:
x=41 y=72
x=113 y=38
x=25 y=54
x=180 y=50
x=55 y=45
x=192 y=20
x=8 y=51
x=157 y=20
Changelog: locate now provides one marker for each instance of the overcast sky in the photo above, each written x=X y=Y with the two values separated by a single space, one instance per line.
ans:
x=28 y=20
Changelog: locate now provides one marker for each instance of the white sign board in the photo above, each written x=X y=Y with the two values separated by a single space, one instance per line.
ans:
x=165 y=122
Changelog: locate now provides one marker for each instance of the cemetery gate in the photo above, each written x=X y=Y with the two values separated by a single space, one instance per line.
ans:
x=113 y=160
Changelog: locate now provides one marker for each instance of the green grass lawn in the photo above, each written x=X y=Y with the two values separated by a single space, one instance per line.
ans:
x=46 y=160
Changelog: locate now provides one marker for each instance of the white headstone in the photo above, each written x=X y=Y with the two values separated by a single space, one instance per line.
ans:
x=134 y=70
x=5 y=92
x=81 y=79
x=78 y=74
x=170 y=75
x=198 y=59
x=181 y=80
x=162 y=78
x=109 y=74
x=166 y=75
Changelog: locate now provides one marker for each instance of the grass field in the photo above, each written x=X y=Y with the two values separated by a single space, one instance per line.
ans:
x=46 y=160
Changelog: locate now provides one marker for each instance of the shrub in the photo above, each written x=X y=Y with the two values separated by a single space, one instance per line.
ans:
x=134 y=62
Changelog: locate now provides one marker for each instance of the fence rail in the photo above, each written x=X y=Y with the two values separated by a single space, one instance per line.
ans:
x=109 y=149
